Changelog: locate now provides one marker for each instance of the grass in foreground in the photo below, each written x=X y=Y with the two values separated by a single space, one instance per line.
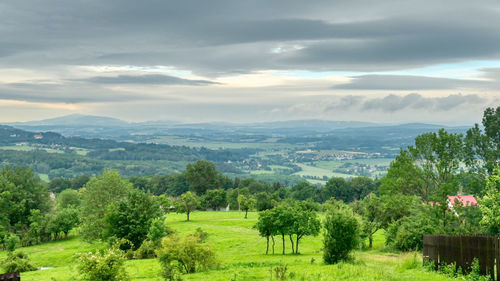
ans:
x=241 y=253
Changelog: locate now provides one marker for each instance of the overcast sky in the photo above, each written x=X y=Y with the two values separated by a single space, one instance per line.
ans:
x=247 y=61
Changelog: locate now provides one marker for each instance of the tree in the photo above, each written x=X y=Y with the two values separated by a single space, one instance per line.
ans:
x=69 y=198
x=490 y=204
x=215 y=199
x=404 y=177
x=131 y=217
x=341 y=236
x=303 y=191
x=202 y=176
x=305 y=223
x=338 y=188
x=264 y=201
x=59 y=184
x=187 y=203
x=66 y=219
x=20 y=192
x=98 y=194
x=283 y=221
x=266 y=227
x=246 y=203
x=372 y=215
x=361 y=186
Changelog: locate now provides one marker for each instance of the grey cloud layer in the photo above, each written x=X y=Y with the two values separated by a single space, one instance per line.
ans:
x=151 y=79
x=215 y=37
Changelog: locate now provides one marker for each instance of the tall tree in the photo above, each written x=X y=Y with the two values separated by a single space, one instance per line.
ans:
x=131 y=217
x=490 y=204
x=98 y=194
x=202 y=175
x=246 y=203
x=187 y=203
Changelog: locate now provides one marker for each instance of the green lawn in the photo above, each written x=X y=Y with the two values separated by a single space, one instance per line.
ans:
x=241 y=253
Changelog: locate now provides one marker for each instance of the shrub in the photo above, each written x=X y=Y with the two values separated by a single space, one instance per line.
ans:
x=185 y=255
x=408 y=233
x=11 y=242
x=102 y=266
x=17 y=262
x=341 y=235
x=146 y=250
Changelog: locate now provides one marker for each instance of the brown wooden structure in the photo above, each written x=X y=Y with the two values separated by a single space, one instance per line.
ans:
x=462 y=250
x=14 y=276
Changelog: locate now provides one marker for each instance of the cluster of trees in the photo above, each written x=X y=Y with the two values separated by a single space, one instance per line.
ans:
x=412 y=197
x=292 y=219
x=28 y=212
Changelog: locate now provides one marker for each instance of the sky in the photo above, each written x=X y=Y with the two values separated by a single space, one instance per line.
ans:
x=250 y=61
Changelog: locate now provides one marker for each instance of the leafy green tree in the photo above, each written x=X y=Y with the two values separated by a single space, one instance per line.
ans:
x=372 y=216
x=341 y=236
x=246 y=203
x=57 y=185
x=303 y=191
x=157 y=230
x=264 y=201
x=267 y=227
x=187 y=203
x=69 y=198
x=338 y=188
x=404 y=177
x=202 y=176
x=66 y=219
x=305 y=223
x=215 y=199
x=361 y=187
x=283 y=220
x=98 y=194
x=490 y=204
x=131 y=217
x=20 y=192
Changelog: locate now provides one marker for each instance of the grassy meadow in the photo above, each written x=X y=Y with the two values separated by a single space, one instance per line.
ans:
x=241 y=253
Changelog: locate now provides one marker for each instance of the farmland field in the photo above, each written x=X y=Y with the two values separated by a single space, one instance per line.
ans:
x=241 y=253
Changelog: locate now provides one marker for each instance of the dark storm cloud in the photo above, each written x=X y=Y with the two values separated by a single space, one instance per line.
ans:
x=148 y=79
x=216 y=37
x=393 y=103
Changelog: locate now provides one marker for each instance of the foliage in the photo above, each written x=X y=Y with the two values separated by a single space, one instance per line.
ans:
x=99 y=193
x=305 y=223
x=11 y=241
x=341 y=236
x=146 y=250
x=407 y=234
x=131 y=217
x=187 y=203
x=66 y=219
x=21 y=192
x=266 y=226
x=104 y=265
x=69 y=198
x=202 y=176
x=186 y=255
x=17 y=262
x=246 y=203
x=264 y=201
x=215 y=199
x=490 y=206
x=158 y=230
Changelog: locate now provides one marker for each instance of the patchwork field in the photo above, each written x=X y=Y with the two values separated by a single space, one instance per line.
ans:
x=241 y=253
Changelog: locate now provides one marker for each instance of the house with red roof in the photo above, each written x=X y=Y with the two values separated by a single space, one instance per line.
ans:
x=463 y=200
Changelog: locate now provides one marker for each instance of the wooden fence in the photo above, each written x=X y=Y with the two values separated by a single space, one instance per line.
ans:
x=14 y=276
x=462 y=250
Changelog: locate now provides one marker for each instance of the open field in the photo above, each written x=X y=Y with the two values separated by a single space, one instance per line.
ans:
x=240 y=252
x=29 y=148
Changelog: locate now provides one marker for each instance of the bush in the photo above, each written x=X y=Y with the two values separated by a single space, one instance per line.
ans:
x=185 y=255
x=341 y=236
x=408 y=233
x=17 y=262
x=102 y=266
x=11 y=242
x=146 y=250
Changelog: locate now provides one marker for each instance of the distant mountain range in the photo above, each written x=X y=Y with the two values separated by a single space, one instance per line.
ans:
x=107 y=127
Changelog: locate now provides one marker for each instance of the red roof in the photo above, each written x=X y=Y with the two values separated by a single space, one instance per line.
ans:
x=466 y=200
